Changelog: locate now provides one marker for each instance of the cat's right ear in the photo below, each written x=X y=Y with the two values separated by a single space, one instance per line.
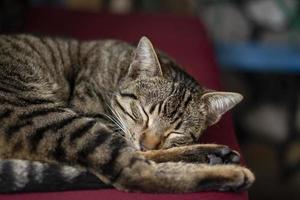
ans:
x=218 y=103
x=145 y=62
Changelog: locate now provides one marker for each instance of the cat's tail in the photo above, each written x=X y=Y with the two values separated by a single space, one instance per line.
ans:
x=32 y=176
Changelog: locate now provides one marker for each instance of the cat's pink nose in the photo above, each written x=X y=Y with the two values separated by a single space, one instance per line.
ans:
x=150 y=141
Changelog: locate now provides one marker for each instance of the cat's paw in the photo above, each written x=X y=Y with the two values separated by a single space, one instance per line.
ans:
x=222 y=155
x=240 y=179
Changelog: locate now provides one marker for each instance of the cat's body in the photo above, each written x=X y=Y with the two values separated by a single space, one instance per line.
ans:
x=121 y=113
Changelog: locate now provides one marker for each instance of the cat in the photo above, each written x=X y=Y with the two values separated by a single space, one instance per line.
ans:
x=108 y=114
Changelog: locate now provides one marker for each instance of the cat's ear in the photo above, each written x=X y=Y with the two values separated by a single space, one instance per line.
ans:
x=145 y=62
x=218 y=103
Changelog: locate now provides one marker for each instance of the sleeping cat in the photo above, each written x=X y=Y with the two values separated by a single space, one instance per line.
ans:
x=102 y=113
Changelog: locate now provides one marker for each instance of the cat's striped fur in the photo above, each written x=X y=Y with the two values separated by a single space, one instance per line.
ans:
x=29 y=176
x=123 y=114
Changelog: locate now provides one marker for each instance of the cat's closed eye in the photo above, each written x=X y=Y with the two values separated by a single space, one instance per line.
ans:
x=136 y=112
x=173 y=134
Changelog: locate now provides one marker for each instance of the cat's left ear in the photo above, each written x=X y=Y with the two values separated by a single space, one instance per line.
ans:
x=218 y=103
x=145 y=62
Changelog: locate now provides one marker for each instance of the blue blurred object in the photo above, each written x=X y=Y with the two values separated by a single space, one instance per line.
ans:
x=259 y=57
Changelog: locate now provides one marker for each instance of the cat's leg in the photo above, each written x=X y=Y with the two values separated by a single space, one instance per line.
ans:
x=197 y=153
x=63 y=136
x=128 y=170
x=33 y=176
x=178 y=177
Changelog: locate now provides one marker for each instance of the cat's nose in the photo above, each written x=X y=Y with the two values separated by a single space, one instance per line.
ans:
x=150 y=141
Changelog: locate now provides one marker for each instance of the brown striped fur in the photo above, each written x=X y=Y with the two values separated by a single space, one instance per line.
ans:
x=125 y=114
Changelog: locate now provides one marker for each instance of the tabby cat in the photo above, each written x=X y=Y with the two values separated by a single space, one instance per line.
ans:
x=107 y=114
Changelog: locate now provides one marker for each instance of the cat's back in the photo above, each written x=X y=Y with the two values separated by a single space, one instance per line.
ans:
x=65 y=58
x=63 y=51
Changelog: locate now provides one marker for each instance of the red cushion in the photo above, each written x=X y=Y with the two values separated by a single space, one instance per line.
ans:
x=183 y=38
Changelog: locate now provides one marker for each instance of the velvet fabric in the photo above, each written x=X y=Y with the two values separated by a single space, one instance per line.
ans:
x=181 y=37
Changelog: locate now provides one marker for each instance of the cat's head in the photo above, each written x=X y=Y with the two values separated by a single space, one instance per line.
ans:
x=158 y=113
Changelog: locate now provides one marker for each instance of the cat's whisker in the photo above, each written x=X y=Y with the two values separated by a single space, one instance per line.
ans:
x=123 y=124
x=117 y=119
x=113 y=118
x=127 y=131
x=118 y=128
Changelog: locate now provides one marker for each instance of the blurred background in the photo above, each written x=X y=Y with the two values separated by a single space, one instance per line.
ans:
x=257 y=46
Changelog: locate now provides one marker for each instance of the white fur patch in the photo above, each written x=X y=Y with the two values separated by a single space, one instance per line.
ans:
x=20 y=172
x=69 y=173
x=39 y=171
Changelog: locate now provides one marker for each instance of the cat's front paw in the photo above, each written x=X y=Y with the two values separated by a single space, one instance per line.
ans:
x=222 y=155
x=241 y=179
